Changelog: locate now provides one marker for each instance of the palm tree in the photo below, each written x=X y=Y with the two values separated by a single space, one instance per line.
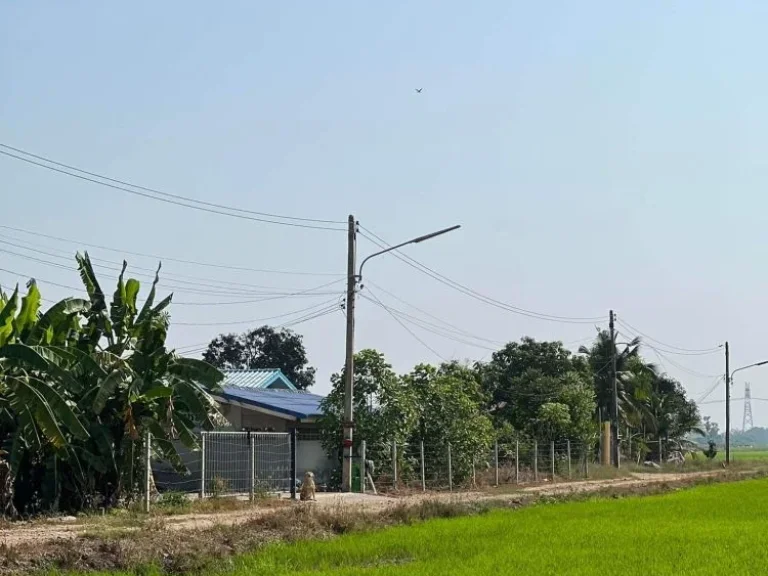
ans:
x=599 y=357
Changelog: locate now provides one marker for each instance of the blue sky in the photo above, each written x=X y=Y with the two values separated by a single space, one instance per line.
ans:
x=597 y=154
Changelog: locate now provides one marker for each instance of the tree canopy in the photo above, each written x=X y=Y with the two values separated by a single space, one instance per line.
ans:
x=263 y=347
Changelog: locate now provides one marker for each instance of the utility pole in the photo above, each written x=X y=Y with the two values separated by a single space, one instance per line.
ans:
x=727 y=405
x=615 y=422
x=353 y=279
x=349 y=365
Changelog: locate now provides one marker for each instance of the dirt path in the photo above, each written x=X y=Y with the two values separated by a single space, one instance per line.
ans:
x=32 y=533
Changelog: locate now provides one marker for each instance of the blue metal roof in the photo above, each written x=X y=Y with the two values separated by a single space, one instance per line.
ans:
x=257 y=379
x=301 y=405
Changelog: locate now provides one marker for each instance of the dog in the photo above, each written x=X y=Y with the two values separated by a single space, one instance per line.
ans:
x=308 y=487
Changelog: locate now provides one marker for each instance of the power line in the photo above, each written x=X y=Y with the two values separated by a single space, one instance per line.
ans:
x=377 y=240
x=310 y=292
x=259 y=320
x=168 y=258
x=168 y=198
x=693 y=351
x=450 y=326
x=295 y=322
x=662 y=357
x=411 y=332
x=431 y=328
x=150 y=272
x=174 y=287
x=711 y=389
x=674 y=351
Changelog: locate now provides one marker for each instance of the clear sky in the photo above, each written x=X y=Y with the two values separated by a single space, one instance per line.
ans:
x=598 y=155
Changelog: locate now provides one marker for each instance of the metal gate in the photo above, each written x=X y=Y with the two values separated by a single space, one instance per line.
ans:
x=245 y=462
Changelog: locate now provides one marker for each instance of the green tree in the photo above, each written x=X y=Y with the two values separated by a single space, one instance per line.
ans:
x=263 y=347
x=384 y=409
x=450 y=410
x=532 y=385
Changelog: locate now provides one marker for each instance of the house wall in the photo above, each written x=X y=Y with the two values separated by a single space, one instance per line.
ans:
x=259 y=422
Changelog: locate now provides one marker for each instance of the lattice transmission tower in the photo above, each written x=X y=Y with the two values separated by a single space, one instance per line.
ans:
x=747 y=424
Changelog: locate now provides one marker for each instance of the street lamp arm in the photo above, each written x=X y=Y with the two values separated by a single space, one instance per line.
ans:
x=412 y=241
x=763 y=363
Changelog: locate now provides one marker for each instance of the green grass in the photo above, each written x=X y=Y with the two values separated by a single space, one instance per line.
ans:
x=715 y=529
x=759 y=454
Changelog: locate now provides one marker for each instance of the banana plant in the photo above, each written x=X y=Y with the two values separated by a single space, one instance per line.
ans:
x=81 y=386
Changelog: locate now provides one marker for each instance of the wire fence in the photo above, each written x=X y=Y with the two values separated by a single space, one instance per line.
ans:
x=246 y=462
x=232 y=463
x=441 y=466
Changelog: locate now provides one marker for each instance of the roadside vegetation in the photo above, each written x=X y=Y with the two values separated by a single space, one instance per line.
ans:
x=469 y=537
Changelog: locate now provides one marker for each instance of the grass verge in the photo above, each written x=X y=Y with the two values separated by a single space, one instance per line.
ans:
x=155 y=549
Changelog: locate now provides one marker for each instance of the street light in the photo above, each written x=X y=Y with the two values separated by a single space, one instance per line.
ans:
x=349 y=367
x=728 y=383
x=413 y=241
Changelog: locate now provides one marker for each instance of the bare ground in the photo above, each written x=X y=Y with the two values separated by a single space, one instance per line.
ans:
x=33 y=533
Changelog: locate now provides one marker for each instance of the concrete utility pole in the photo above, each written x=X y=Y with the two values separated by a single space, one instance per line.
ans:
x=615 y=419
x=349 y=364
x=727 y=405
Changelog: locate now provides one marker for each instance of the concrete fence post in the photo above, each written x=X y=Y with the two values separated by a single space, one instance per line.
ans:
x=202 y=464
x=496 y=458
x=450 y=469
x=294 y=451
x=147 y=471
x=362 y=466
x=252 y=467
x=535 y=461
x=394 y=464
x=517 y=462
x=661 y=450
x=423 y=476
x=552 y=457
x=568 y=448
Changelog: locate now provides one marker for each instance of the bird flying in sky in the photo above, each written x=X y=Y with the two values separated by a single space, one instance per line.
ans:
x=418 y=90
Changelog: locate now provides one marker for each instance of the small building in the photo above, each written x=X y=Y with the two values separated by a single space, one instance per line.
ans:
x=265 y=400
x=256 y=401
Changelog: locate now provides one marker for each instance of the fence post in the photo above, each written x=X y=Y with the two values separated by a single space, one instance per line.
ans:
x=362 y=467
x=586 y=462
x=517 y=462
x=496 y=458
x=552 y=456
x=661 y=456
x=294 y=450
x=423 y=477
x=252 y=462
x=450 y=469
x=568 y=447
x=394 y=464
x=147 y=471
x=535 y=461
x=202 y=465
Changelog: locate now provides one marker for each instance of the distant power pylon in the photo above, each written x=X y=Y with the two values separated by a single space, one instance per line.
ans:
x=747 y=424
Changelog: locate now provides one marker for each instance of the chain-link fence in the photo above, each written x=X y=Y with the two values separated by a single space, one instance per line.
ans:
x=442 y=466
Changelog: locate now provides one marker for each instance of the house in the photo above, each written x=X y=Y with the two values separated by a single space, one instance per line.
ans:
x=262 y=400
x=265 y=400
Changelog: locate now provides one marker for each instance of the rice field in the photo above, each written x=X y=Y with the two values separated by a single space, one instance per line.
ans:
x=713 y=529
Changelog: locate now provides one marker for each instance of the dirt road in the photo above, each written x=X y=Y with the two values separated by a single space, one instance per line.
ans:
x=71 y=528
